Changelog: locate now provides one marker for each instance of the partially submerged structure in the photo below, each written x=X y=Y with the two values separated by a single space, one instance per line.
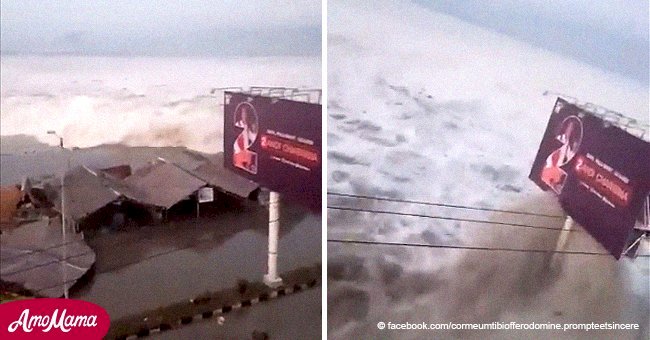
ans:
x=20 y=204
x=224 y=180
x=36 y=257
x=163 y=184
x=10 y=197
x=120 y=171
x=115 y=197
x=90 y=195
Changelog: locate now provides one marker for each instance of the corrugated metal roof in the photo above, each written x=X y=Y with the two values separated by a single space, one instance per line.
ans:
x=160 y=183
x=119 y=171
x=32 y=257
x=163 y=184
x=85 y=192
x=217 y=175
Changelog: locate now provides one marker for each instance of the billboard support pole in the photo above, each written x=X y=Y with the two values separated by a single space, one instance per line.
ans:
x=271 y=279
x=640 y=232
x=569 y=223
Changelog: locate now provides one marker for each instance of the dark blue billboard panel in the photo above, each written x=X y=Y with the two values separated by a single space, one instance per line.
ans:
x=600 y=172
x=275 y=143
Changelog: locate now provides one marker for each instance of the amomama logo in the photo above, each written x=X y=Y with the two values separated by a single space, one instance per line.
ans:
x=52 y=319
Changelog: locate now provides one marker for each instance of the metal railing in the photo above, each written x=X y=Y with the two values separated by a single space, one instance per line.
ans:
x=313 y=96
x=630 y=125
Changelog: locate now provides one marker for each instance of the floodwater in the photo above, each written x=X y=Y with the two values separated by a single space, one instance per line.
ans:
x=156 y=266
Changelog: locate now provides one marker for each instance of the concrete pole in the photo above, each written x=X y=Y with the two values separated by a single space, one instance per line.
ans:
x=64 y=263
x=271 y=279
x=569 y=223
x=646 y=213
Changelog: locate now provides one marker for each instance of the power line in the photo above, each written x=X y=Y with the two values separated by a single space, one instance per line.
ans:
x=104 y=271
x=108 y=270
x=143 y=237
x=192 y=245
x=460 y=219
x=187 y=246
x=41 y=250
x=184 y=247
x=123 y=265
x=49 y=263
x=445 y=205
x=54 y=286
x=425 y=245
x=469 y=220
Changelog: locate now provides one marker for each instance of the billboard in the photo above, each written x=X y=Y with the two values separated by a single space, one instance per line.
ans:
x=600 y=173
x=275 y=143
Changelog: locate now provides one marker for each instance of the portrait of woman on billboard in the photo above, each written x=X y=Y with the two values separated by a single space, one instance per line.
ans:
x=245 y=119
x=570 y=137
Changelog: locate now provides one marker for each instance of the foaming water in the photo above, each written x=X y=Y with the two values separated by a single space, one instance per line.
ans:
x=135 y=101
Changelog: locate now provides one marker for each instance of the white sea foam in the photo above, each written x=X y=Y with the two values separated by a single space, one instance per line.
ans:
x=137 y=101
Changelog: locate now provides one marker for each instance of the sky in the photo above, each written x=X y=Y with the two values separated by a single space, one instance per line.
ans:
x=162 y=28
x=609 y=34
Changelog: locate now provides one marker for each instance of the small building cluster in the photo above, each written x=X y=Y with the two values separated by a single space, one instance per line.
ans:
x=117 y=197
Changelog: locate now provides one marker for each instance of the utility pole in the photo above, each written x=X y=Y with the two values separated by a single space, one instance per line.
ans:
x=63 y=226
